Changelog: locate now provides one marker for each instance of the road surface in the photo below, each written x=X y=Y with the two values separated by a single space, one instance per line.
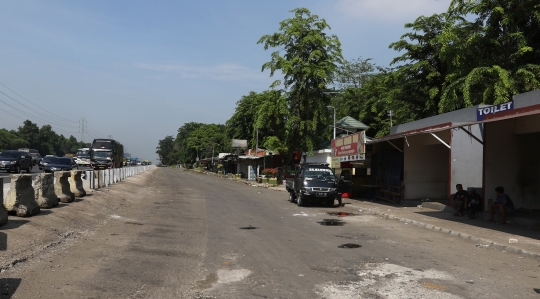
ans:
x=173 y=234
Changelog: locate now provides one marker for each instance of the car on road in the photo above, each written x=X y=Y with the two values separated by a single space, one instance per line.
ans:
x=45 y=161
x=13 y=160
x=59 y=164
x=36 y=158
x=314 y=182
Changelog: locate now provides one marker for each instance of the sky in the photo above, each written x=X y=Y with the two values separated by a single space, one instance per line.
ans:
x=138 y=70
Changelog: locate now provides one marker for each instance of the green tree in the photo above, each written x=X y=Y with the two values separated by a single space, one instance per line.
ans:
x=183 y=153
x=494 y=56
x=10 y=141
x=164 y=149
x=351 y=77
x=47 y=141
x=242 y=122
x=208 y=139
x=420 y=69
x=29 y=131
x=308 y=64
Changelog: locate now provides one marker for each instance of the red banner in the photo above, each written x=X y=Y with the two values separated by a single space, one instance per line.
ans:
x=351 y=145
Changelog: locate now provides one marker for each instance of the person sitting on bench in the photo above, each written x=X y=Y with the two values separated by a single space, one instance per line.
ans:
x=473 y=204
x=502 y=203
x=458 y=202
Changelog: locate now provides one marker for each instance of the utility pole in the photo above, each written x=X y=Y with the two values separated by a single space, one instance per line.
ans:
x=83 y=128
x=391 y=113
x=257 y=146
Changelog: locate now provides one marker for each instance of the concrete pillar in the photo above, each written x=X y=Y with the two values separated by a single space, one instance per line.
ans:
x=62 y=188
x=98 y=179
x=44 y=191
x=3 y=210
x=20 y=199
x=76 y=184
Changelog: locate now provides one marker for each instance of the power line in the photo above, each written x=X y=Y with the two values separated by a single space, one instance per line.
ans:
x=12 y=114
x=33 y=116
x=59 y=117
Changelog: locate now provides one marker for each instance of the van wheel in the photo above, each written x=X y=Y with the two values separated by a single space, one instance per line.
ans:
x=291 y=197
x=300 y=201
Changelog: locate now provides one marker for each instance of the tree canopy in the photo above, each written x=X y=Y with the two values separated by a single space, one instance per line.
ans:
x=475 y=52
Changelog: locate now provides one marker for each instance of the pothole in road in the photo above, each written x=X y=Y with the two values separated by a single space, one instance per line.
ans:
x=331 y=222
x=341 y=214
x=249 y=227
x=350 y=245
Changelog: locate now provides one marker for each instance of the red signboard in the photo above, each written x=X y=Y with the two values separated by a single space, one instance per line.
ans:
x=351 y=147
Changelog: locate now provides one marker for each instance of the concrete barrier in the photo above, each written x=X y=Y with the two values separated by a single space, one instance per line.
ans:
x=3 y=210
x=62 y=186
x=76 y=184
x=103 y=178
x=44 y=191
x=20 y=199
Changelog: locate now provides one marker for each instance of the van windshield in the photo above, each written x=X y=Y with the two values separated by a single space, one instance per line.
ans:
x=322 y=174
x=83 y=153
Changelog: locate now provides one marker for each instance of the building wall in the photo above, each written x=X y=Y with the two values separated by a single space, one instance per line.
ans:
x=467 y=159
x=513 y=161
x=319 y=158
x=426 y=166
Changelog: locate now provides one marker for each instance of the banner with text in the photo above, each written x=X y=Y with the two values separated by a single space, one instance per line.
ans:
x=350 y=148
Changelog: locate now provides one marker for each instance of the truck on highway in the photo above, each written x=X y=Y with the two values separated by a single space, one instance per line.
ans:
x=83 y=156
x=106 y=153
x=314 y=182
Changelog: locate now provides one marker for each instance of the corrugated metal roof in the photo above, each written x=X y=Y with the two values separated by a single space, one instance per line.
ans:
x=350 y=123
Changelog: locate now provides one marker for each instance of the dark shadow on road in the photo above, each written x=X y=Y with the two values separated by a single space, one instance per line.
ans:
x=8 y=287
x=13 y=223
x=3 y=241
x=506 y=228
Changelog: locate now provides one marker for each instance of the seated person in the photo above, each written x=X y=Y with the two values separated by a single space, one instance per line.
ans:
x=473 y=204
x=502 y=203
x=458 y=200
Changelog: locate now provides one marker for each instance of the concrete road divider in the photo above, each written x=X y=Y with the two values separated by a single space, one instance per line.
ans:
x=44 y=191
x=20 y=199
x=3 y=210
x=62 y=186
x=76 y=184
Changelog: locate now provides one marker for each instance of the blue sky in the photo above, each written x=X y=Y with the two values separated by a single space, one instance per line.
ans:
x=138 y=70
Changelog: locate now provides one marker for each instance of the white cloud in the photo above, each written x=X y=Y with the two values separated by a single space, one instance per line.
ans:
x=391 y=10
x=222 y=72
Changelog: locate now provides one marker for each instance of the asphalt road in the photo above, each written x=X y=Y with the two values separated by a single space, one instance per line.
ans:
x=173 y=234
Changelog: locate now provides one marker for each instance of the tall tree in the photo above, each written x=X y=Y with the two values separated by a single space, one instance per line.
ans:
x=494 y=56
x=164 y=149
x=10 y=141
x=420 y=68
x=29 y=131
x=184 y=153
x=308 y=63
x=208 y=139
x=242 y=122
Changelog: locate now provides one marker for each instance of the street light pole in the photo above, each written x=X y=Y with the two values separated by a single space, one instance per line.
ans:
x=332 y=107
x=391 y=113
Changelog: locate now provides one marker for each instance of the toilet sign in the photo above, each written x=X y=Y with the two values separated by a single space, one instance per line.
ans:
x=482 y=112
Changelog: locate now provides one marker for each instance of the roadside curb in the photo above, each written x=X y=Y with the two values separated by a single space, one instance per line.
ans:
x=481 y=242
